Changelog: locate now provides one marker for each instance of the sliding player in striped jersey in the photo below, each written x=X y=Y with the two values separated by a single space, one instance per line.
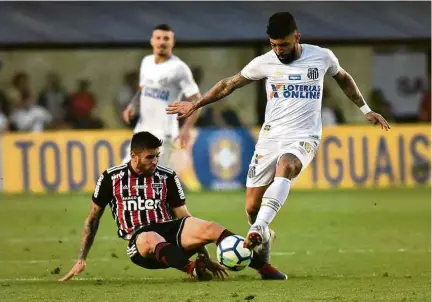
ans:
x=148 y=204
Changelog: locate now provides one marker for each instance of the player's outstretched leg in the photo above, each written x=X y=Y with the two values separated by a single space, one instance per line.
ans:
x=288 y=167
x=261 y=251
x=198 y=232
x=151 y=243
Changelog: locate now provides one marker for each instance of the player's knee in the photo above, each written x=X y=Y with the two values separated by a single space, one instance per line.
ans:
x=146 y=242
x=210 y=231
x=289 y=166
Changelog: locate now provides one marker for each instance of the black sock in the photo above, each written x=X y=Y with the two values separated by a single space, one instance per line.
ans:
x=225 y=233
x=171 y=256
x=257 y=262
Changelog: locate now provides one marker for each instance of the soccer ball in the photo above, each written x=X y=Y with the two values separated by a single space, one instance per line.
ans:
x=232 y=254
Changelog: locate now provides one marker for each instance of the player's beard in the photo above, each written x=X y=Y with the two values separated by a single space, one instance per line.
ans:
x=146 y=171
x=288 y=58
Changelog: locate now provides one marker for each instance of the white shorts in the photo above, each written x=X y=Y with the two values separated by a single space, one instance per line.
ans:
x=262 y=167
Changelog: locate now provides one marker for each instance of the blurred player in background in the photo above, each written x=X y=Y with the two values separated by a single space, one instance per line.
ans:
x=149 y=206
x=291 y=133
x=163 y=79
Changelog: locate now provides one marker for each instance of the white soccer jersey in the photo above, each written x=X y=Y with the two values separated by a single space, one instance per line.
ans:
x=294 y=92
x=161 y=85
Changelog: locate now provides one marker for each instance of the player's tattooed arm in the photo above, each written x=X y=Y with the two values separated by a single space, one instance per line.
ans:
x=349 y=87
x=222 y=89
x=91 y=226
x=217 y=92
x=193 y=98
x=190 y=122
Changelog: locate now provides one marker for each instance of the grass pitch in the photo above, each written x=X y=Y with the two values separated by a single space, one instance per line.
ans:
x=362 y=245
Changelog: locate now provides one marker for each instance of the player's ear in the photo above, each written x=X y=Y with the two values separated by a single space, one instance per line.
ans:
x=152 y=40
x=298 y=36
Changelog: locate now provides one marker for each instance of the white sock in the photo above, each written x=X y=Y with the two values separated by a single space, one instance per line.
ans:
x=273 y=199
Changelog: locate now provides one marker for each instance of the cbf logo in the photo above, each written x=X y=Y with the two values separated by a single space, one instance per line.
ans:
x=313 y=73
x=225 y=159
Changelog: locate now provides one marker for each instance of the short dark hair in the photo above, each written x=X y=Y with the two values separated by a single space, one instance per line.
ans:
x=145 y=140
x=280 y=25
x=164 y=27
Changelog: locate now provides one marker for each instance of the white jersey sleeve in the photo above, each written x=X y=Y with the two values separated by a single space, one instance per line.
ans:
x=253 y=70
x=333 y=63
x=186 y=81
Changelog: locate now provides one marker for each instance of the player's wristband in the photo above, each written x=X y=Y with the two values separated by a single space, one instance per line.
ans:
x=365 y=109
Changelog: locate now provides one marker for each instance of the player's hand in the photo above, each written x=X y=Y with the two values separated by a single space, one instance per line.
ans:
x=218 y=270
x=183 y=109
x=128 y=113
x=377 y=118
x=76 y=270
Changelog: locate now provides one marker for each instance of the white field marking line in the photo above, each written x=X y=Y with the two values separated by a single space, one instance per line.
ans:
x=345 y=251
x=81 y=279
x=308 y=253
x=38 y=279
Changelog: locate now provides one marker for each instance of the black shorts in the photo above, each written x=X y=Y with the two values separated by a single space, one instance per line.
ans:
x=170 y=231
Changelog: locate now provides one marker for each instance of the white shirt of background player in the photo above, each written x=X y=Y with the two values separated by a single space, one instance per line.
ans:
x=162 y=42
x=162 y=84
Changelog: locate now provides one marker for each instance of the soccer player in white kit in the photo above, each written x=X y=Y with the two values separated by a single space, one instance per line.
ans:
x=291 y=133
x=164 y=78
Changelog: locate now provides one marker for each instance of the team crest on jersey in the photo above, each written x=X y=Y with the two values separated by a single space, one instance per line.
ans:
x=313 y=73
x=157 y=187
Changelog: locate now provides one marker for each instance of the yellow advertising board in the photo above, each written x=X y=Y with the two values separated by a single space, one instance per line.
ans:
x=348 y=157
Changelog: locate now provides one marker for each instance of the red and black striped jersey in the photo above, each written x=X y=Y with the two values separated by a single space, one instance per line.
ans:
x=138 y=200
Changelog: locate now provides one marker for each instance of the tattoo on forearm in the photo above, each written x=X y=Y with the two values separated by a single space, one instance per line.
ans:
x=90 y=228
x=351 y=90
x=222 y=89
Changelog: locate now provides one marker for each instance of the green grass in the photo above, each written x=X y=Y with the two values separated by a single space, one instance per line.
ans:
x=363 y=245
